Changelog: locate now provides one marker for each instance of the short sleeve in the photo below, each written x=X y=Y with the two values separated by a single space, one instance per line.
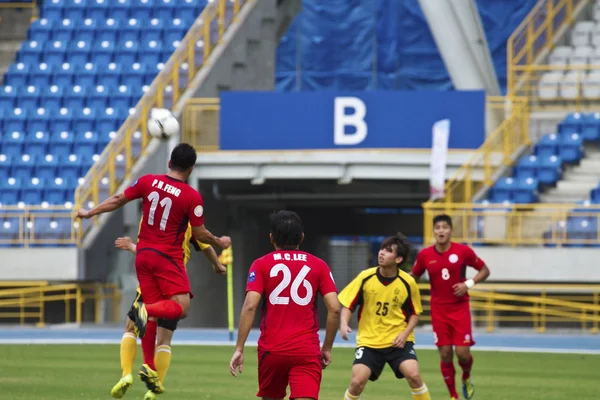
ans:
x=136 y=190
x=419 y=267
x=196 y=209
x=472 y=260
x=256 y=282
x=326 y=283
x=351 y=296
x=415 y=297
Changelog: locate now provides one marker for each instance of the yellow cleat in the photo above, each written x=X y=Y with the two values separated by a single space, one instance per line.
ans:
x=150 y=378
x=119 y=390
x=468 y=389
x=149 y=396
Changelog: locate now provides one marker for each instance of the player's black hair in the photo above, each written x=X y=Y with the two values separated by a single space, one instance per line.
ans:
x=442 y=218
x=287 y=229
x=183 y=157
x=402 y=245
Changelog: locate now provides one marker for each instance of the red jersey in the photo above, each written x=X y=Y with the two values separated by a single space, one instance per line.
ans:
x=289 y=281
x=168 y=206
x=445 y=270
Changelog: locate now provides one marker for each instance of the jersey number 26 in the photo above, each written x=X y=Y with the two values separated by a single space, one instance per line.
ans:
x=275 y=297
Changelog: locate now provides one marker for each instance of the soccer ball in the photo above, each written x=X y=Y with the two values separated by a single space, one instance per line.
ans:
x=162 y=124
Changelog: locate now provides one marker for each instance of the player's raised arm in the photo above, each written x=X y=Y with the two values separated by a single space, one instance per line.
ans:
x=205 y=236
x=111 y=204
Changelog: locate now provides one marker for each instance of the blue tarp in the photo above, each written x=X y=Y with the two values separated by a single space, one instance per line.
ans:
x=380 y=44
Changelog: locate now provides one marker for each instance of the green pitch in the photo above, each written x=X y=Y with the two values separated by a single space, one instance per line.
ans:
x=89 y=372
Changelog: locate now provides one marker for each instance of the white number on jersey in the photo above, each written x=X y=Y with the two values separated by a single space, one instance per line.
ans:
x=445 y=274
x=359 y=353
x=275 y=297
x=166 y=203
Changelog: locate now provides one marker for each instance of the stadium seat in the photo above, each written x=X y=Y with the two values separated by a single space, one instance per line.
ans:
x=571 y=148
x=17 y=75
x=12 y=143
x=37 y=143
x=23 y=167
x=15 y=120
x=53 y=9
x=590 y=127
x=547 y=145
x=550 y=170
x=30 y=52
x=32 y=191
x=527 y=167
x=62 y=144
x=75 y=97
x=502 y=190
x=54 y=52
x=51 y=98
x=8 y=96
x=46 y=167
x=63 y=32
x=525 y=191
x=85 y=145
x=5 y=166
x=86 y=30
x=571 y=123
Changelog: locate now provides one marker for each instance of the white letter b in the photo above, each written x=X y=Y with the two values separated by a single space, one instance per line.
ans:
x=356 y=119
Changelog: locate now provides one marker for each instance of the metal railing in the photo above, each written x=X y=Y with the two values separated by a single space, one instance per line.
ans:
x=534 y=306
x=535 y=35
x=117 y=159
x=37 y=225
x=30 y=304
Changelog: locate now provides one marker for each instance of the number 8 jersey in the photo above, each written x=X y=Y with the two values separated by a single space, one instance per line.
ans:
x=288 y=281
x=168 y=206
x=445 y=270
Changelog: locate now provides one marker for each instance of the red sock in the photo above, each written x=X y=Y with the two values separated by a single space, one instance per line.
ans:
x=149 y=344
x=448 y=373
x=165 y=309
x=466 y=367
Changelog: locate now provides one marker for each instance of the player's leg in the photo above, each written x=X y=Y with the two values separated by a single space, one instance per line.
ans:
x=443 y=338
x=273 y=376
x=405 y=365
x=127 y=352
x=174 y=286
x=368 y=364
x=463 y=340
x=305 y=378
x=162 y=358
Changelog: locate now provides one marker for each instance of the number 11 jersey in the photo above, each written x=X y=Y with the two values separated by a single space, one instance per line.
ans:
x=168 y=205
x=289 y=281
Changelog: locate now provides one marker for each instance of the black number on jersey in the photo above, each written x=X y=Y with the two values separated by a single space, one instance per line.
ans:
x=382 y=308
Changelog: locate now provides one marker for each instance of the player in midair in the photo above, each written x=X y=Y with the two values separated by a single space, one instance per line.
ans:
x=288 y=280
x=166 y=328
x=446 y=263
x=169 y=205
x=390 y=304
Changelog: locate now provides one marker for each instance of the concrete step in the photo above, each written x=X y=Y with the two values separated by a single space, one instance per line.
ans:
x=563 y=198
x=582 y=177
x=587 y=163
x=574 y=186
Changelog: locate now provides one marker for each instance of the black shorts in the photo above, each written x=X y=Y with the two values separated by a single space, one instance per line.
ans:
x=169 y=324
x=376 y=359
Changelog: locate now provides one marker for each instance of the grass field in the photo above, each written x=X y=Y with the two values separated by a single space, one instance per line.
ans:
x=89 y=371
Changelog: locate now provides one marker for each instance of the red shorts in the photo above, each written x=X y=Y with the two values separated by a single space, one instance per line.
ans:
x=452 y=324
x=276 y=371
x=160 y=277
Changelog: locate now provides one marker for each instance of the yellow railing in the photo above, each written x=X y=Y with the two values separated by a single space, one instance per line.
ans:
x=29 y=305
x=200 y=123
x=531 y=305
x=535 y=35
x=24 y=4
x=37 y=225
x=546 y=87
x=497 y=152
x=116 y=161
x=518 y=224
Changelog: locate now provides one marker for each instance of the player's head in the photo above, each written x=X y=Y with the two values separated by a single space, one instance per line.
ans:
x=393 y=251
x=287 y=231
x=183 y=159
x=442 y=229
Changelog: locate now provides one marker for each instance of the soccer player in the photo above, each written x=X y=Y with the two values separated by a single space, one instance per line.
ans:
x=446 y=263
x=162 y=358
x=390 y=305
x=168 y=204
x=288 y=348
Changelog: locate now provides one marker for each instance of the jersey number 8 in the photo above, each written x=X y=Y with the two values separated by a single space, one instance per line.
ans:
x=275 y=297
x=445 y=274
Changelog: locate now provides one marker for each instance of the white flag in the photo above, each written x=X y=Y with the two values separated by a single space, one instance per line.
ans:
x=439 y=154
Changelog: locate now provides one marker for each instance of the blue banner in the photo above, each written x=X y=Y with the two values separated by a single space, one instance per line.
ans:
x=329 y=120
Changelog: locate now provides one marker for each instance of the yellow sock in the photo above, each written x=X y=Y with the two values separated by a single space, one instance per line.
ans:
x=421 y=393
x=349 y=396
x=162 y=360
x=128 y=352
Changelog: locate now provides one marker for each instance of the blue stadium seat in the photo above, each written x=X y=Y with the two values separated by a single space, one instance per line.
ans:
x=75 y=10
x=86 y=75
x=97 y=9
x=571 y=124
x=154 y=31
x=503 y=190
x=164 y=9
x=29 y=98
x=152 y=51
x=131 y=30
x=46 y=167
x=127 y=52
x=590 y=127
x=70 y=167
x=17 y=75
x=119 y=9
x=63 y=76
x=103 y=52
x=122 y=98
x=61 y=122
x=37 y=144
x=84 y=120
x=32 y=190
x=142 y=9
x=189 y=9
x=39 y=120
x=51 y=98
x=12 y=144
x=30 y=52
x=550 y=170
x=75 y=97
x=108 y=30
x=41 y=30
x=85 y=145
x=79 y=52
x=53 y=9
x=108 y=120
x=54 y=52
x=527 y=167
x=176 y=31
x=23 y=167
x=134 y=75
x=525 y=190
x=10 y=189
x=61 y=145
x=571 y=147
x=547 y=146
x=8 y=96
x=110 y=76
x=86 y=30
x=63 y=31
x=9 y=229
x=14 y=120
x=5 y=166
x=41 y=74
x=56 y=191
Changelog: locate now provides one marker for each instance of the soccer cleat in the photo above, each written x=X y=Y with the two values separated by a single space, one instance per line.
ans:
x=119 y=390
x=150 y=378
x=468 y=389
x=149 y=396
x=141 y=317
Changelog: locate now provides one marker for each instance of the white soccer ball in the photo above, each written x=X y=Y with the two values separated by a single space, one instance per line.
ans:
x=162 y=124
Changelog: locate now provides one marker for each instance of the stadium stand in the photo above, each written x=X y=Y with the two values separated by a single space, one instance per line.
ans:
x=84 y=66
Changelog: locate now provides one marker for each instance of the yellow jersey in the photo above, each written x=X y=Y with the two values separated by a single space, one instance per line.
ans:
x=187 y=240
x=385 y=305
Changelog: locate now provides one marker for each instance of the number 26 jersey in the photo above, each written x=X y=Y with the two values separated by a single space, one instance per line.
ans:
x=446 y=270
x=288 y=281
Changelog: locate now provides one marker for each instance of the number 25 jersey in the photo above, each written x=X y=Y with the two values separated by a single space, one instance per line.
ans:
x=289 y=281
x=168 y=205
x=445 y=270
